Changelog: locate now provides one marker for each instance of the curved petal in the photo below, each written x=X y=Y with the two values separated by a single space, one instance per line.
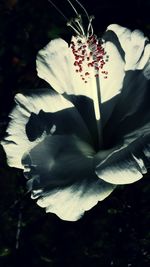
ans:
x=128 y=125
x=135 y=46
x=64 y=79
x=126 y=50
x=133 y=101
x=131 y=113
x=37 y=115
x=63 y=180
x=133 y=50
x=127 y=164
x=55 y=64
x=112 y=86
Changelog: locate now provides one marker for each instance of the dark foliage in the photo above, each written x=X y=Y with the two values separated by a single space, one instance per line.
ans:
x=116 y=231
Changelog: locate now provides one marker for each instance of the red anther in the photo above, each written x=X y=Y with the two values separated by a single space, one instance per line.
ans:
x=99 y=58
x=76 y=63
x=87 y=73
x=90 y=64
x=92 y=53
x=99 y=48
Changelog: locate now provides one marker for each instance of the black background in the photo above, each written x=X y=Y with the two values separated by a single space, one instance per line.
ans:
x=116 y=231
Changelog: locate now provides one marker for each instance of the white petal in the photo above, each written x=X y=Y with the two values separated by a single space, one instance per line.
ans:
x=133 y=44
x=127 y=164
x=17 y=139
x=130 y=117
x=55 y=64
x=112 y=86
x=71 y=203
x=63 y=181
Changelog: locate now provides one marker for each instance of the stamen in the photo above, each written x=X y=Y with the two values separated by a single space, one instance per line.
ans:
x=69 y=23
x=90 y=26
x=83 y=8
x=58 y=9
x=78 y=20
x=89 y=54
x=72 y=7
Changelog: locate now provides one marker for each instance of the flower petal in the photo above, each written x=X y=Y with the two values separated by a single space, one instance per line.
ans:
x=133 y=51
x=55 y=64
x=112 y=86
x=35 y=116
x=131 y=112
x=128 y=125
x=133 y=45
x=127 y=164
x=63 y=180
x=120 y=115
x=64 y=79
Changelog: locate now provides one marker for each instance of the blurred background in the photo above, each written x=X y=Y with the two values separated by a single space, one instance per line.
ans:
x=117 y=231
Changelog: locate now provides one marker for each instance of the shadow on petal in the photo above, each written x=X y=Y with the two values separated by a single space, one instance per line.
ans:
x=62 y=176
x=127 y=164
x=132 y=110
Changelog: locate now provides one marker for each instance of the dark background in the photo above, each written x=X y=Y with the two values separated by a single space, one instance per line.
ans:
x=116 y=231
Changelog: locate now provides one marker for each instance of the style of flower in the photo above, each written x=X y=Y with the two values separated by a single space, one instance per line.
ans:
x=76 y=143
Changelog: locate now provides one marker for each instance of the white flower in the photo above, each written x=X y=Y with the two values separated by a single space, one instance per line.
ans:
x=75 y=144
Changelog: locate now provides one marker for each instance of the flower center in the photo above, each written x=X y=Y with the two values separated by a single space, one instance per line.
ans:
x=89 y=53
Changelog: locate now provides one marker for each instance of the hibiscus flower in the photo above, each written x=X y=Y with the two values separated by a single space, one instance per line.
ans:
x=89 y=132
